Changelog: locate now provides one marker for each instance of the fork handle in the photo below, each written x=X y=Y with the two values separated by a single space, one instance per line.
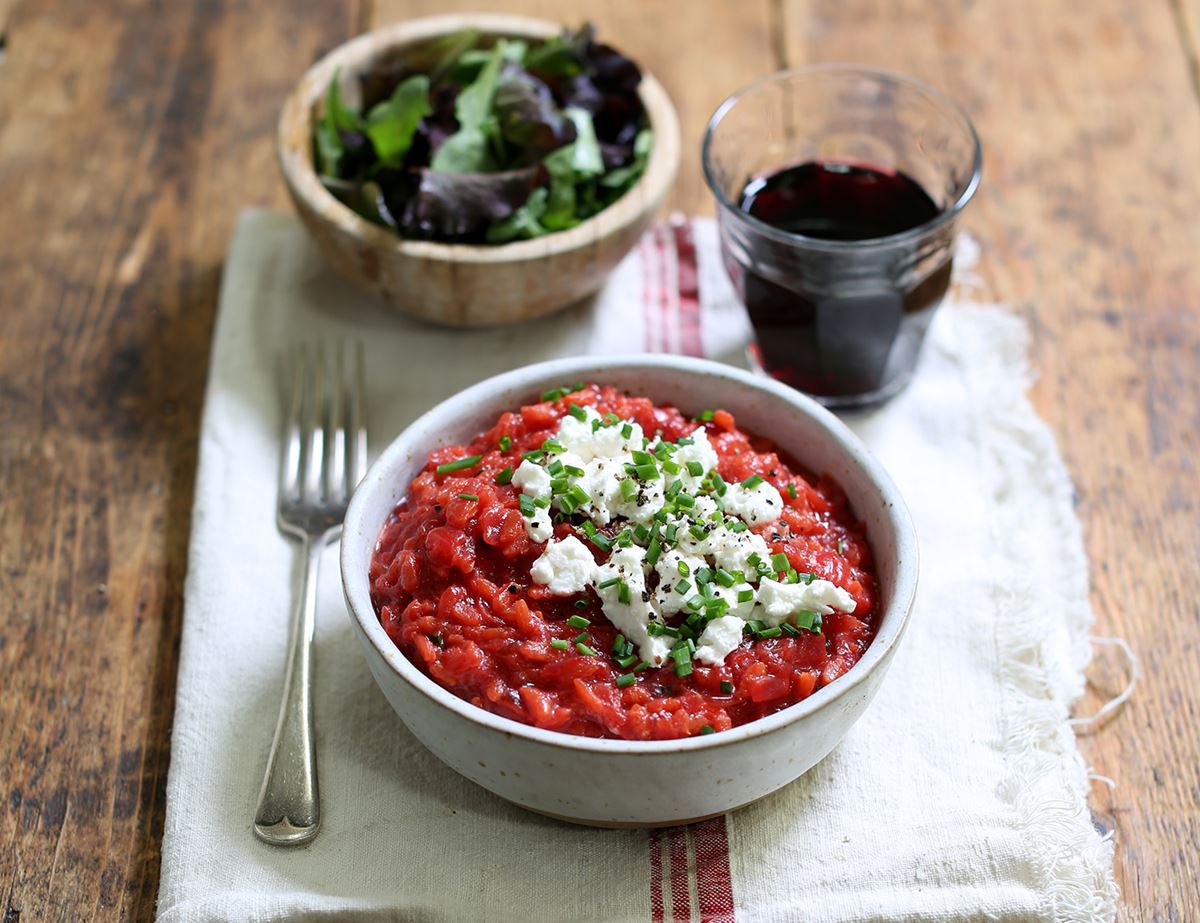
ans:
x=289 y=804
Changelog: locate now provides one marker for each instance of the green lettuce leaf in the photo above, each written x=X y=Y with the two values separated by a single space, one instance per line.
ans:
x=337 y=118
x=392 y=123
x=467 y=150
x=524 y=223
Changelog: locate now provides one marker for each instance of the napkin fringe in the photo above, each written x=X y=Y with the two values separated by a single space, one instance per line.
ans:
x=1042 y=659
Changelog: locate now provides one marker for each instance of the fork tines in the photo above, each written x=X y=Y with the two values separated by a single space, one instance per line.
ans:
x=325 y=454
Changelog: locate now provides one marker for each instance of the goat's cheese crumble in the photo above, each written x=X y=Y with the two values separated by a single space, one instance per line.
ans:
x=685 y=545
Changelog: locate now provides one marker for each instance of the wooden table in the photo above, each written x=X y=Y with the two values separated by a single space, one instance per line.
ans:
x=130 y=137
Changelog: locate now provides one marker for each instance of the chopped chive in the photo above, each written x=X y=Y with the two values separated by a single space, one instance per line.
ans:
x=581 y=604
x=629 y=490
x=683 y=668
x=708 y=729
x=468 y=496
x=695 y=603
x=623 y=592
x=559 y=644
x=646 y=472
x=754 y=626
x=641 y=665
x=555 y=393
x=724 y=578
x=672 y=468
x=626 y=679
x=695 y=469
x=505 y=443
x=806 y=578
x=685 y=440
x=459 y=464
x=436 y=641
x=582 y=636
x=653 y=552
x=578 y=386
x=658 y=630
x=626 y=431
x=625 y=539
x=542 y=503
x=578 y=621
x=504 y=476
x=640 y=532
x=685 y=501
x=772 y=632
x=791 y=490
x=600 y=541
x=726 y=686
x=683 y=569
x=719 y=484
x=589 y=528
x=533 y=455
x=842 y=547
x=577 y=412
x=584 y=649
x=753 y=481
x=704 y=575
x=574 y=471
x=554 y=446
x=627 y=661
x=698 y=531
x=642 y=458
x=672 y=529
x=683 y=586
x=738 y=526
x=744 y=596
x=618 y=643
x=808 y=620
x=605 y=584
x=526 y=505
x=780 y=563
x=790 y=629
x=704 y=416
x=555 y=468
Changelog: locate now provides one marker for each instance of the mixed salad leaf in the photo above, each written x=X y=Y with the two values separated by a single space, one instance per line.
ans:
x=470 y=139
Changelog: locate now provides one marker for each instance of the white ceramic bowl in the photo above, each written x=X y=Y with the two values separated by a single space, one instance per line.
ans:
x=637 y=783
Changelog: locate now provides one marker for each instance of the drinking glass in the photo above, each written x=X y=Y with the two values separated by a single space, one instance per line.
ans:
x=842 y=319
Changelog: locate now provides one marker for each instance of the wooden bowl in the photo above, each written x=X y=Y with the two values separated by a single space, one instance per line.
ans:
x=464 y=285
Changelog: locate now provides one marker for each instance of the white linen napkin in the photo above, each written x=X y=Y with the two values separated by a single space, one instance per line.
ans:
x=960 y=795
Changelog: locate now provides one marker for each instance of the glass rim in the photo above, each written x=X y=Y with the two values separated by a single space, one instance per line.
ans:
x=944 y=216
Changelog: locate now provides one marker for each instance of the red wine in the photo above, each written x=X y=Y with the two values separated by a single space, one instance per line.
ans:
x=837 y=321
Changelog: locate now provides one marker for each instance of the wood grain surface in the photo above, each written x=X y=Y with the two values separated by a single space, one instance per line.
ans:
x=132 y=133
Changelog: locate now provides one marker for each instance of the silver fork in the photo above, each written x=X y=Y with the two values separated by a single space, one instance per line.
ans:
x=324 y=457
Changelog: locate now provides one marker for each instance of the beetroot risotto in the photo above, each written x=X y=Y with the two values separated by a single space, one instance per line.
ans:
x=599 y=565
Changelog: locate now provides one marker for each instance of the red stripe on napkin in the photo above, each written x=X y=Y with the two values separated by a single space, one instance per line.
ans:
x=656 y=883
x=690 y=340
x=714 y=884
x=681 y=899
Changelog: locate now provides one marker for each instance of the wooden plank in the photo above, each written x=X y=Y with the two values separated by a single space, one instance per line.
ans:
x=129 y=139
x=699 y=53
x=1087 y=222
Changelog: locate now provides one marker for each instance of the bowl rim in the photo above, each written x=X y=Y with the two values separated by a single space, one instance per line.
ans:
x=893 y=622
x=300 y=173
